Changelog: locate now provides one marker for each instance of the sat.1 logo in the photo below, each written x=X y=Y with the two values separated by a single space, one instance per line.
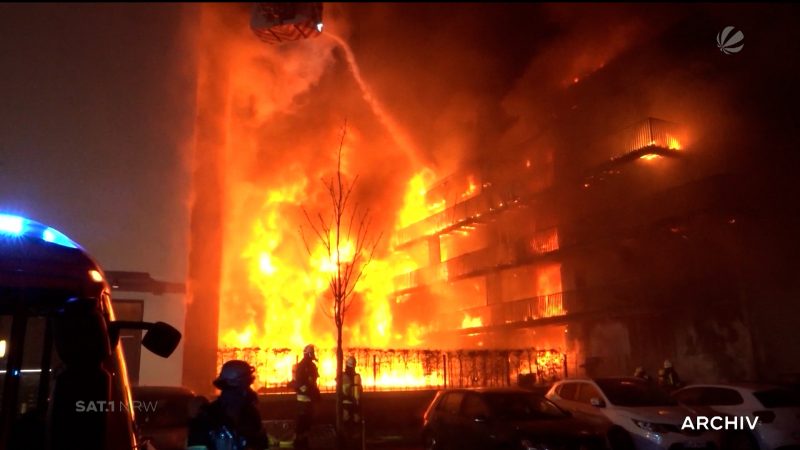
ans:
x=730 y=42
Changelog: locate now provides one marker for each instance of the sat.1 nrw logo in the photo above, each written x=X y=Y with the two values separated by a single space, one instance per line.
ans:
x=729 y=42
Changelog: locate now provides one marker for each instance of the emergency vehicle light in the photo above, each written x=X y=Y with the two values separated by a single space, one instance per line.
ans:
x=11 y=224
x=17 y=226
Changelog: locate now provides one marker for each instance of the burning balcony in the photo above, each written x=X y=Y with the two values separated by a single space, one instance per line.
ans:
x=512 y=312
x=477 y=208
x=545 y=241
x=481 y=261
x=647 y=139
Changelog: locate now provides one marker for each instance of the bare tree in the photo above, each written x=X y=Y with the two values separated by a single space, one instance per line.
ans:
x=344 y=232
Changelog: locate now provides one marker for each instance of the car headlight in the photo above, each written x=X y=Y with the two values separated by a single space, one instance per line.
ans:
x=653 y=427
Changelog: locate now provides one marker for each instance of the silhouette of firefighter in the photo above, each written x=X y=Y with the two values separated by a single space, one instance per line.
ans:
x=642 y=374
x=668 y=377
x=351 y=401
x=308 y=395
x=232 y=421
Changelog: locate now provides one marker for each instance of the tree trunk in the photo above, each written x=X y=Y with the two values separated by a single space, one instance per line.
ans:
x=339 y=363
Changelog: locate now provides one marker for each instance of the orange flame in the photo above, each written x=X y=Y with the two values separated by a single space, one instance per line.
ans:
x=471 y=322
x=289 y=289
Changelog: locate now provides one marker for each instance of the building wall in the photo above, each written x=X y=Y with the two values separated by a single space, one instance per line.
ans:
x=157 y=371
x=690 y=258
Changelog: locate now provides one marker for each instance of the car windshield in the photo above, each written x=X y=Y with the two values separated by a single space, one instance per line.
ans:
x=522 y=405
x=634 y=393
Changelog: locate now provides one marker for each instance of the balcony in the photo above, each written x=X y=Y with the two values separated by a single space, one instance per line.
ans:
x=518 y=311
x=479 y=262
x=646 y=139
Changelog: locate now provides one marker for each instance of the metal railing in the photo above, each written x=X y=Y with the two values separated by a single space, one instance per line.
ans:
x=649 y=132
x=527 y=309
x=387 y=369
x=468 y=264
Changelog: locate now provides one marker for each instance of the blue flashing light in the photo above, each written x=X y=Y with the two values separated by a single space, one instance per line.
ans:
x=17 y=226
x=57 y=237
x=13 y=225
x=48 y=235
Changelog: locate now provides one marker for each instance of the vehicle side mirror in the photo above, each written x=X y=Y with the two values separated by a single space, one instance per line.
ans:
x=161 y=338
x=597 y=402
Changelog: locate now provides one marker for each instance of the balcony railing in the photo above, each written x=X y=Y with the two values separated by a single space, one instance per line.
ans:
x=545 y=241
x=420 y=277
x=479 y=261
x=649 y=133
x=524 y=310
x=475 y=209
x=396 y=369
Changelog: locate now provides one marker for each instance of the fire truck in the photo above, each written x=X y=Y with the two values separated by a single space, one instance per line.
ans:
x=63 y=381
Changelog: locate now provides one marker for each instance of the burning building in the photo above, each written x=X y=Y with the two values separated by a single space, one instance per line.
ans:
x=584 y=221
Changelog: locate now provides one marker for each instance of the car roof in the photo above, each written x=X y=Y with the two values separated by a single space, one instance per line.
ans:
x=489 y=390
x=601 y=380
x=743 y=386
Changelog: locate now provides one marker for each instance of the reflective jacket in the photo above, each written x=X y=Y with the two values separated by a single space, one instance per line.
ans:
x=306 y=381
x=351 y=387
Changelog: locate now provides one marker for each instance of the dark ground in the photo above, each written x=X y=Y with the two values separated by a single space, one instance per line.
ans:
x=392 y=419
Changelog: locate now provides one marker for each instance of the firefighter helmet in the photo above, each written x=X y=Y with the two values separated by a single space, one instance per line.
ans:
x=235 y=373
x=351 y=361
x=309 y=351
x=667 y=364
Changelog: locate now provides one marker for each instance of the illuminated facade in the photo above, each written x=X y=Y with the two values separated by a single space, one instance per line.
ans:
x=504 y=255
x=614 y=246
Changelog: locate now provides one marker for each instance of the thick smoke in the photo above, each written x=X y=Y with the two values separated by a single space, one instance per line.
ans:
x=466 y=86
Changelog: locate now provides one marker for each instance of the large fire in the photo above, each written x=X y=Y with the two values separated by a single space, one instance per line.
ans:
x=292 y=286
x=275 y=276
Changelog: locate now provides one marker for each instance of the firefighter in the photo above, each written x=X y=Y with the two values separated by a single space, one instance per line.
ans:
x=642 y=374
x=308 y=395
x=668 y=378
x=351 y=399
x=232 y=421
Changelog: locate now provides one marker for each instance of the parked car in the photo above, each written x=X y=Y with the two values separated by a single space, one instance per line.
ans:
x=777 y=409
x=163 y=413
x=635 y=413
x=503 y=418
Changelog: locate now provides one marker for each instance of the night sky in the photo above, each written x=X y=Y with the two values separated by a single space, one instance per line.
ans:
x=96 y=111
